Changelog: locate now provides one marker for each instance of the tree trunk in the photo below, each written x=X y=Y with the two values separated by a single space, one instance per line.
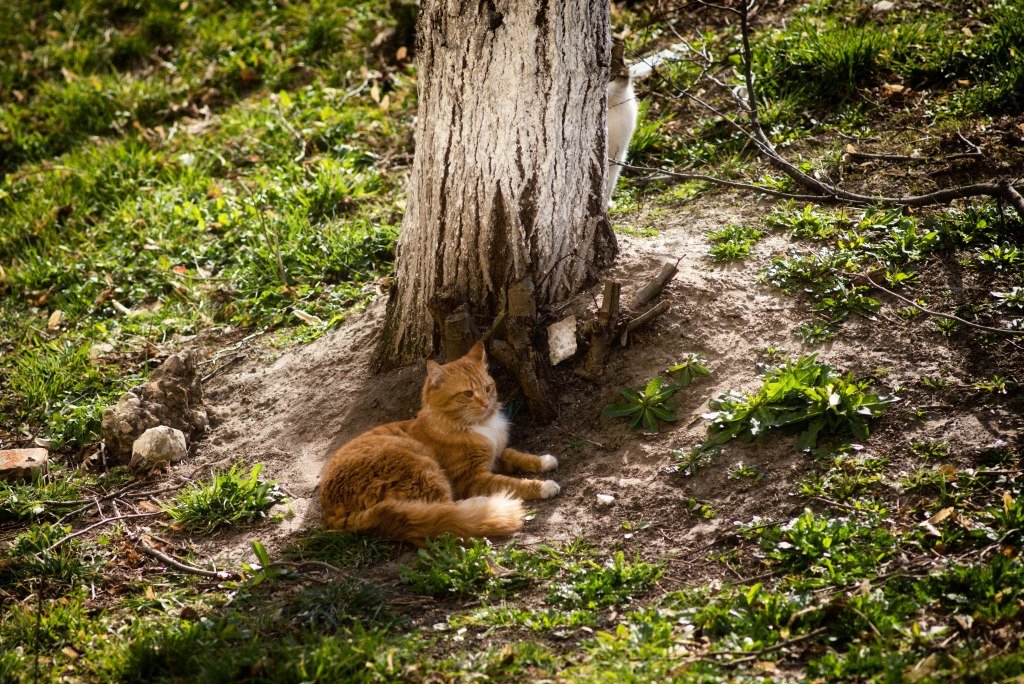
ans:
x=508 y=178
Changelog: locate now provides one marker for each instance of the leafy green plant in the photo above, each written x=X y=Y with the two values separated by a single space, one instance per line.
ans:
x=1012 y=298
x=741 y=471
x=700 y=509
x=692 y=367
x=807 y=396
x=836 y=546
x=229 y=498
x=733 y=242
x=996 y=385
x=25 y=500
x=817 y=332
x=447 y=566
x=615 y=582
x=1002 y=256
x=646 y=407
x=929 y=449
x=812 y=222
x=33 y=557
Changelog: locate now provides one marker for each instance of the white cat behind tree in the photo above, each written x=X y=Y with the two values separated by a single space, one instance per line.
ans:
x=622 y=113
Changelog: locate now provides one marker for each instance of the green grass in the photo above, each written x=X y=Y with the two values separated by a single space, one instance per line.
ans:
x=234 y=166
x=229 y=498
x=236 y=176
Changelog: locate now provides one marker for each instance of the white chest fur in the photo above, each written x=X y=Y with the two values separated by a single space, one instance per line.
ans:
x=622 y=115
x=495 y=431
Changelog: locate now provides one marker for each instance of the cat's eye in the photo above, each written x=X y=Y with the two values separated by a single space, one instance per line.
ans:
x=468 y=393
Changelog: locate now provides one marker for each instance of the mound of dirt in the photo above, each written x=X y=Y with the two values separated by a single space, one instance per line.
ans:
x=292 y=411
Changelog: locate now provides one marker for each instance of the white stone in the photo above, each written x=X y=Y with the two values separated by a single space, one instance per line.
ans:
x=158 y=447
x=883 y=6
x=605 y=499
x=562 y=340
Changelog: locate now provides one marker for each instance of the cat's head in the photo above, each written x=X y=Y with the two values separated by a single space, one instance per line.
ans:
x=462 y=390
x=619 y=70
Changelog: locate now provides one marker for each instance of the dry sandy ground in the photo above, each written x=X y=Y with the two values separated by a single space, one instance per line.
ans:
x=290 y=409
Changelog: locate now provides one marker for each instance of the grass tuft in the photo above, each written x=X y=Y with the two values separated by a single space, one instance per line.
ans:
x=229 y=498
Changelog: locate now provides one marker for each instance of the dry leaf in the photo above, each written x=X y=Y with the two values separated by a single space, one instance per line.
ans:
x=69 y=652
x=938 y=517
x=375 y=92
x=55 y=318
x=401 y=53
x=308 y=318
x=850 y=149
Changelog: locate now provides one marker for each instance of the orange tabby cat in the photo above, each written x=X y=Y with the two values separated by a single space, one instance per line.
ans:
x=410 y=480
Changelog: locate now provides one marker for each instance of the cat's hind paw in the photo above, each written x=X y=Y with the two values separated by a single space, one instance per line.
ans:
x=548 y=488
x=548 y=462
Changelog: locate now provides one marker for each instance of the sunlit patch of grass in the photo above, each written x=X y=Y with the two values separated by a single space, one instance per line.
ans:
x=229 y=498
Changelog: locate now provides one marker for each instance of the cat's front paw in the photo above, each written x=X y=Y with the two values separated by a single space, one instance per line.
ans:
x=548 y=462
x=548 y=488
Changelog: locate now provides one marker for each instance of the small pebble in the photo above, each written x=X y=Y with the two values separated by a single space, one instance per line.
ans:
x=605 y=499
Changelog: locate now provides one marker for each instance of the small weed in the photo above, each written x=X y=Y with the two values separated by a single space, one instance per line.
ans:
x=741 y=471
x=692 y=462
x=646 y=407
x=692 y=367
x=805 y=395
x=996 y=385
x=733 y=242
x=31 y=558
x=593 y=586
x=817 y=332
x=847 y=476
x=945 y=327
x=700 y=509
x=505 y=615
x=230 y=498
x=448 y=567
x=931 y=450
x=27 y=500
x=934 y=382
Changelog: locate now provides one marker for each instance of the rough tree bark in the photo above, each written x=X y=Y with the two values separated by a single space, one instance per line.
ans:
x=507 y=180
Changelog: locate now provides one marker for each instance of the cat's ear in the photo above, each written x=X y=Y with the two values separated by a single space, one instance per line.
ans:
x=435 y=374
x=477 y=353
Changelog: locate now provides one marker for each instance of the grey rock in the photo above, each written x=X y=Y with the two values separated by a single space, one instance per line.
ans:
x=172 y=397
x=158 y=447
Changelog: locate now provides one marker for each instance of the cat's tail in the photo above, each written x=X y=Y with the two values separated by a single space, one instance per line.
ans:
x=416 y=521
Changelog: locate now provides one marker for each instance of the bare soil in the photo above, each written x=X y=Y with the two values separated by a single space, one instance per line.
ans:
x=290 y=409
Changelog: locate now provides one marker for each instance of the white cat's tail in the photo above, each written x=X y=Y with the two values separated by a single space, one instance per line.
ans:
x=415 y=521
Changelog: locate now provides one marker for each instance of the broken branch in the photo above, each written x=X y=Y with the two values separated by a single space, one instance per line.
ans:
x=654 y=288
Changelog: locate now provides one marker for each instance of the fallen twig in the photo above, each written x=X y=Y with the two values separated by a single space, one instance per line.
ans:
x=1003 y=331
x=172 y=562
x=99 y=524
x=754 y=655
x=646 y=317
x=654 y=288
